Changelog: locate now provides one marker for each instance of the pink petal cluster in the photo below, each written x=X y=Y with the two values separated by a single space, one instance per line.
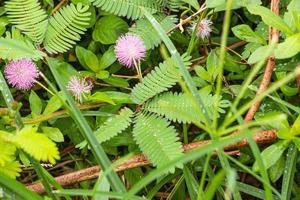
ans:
x=21 y=74
x=79 y=87
x=204 y=28
x=129 y=49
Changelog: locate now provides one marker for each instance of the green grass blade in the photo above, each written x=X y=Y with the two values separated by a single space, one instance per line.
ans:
x=86 y=130
x=17 y=188
x=289 y=172
x=253 y=191
x=214 y=184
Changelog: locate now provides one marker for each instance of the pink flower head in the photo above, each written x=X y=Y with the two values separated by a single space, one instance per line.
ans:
x=204 y=28
x=79 y=88
x=21 y=74
x=130 y=49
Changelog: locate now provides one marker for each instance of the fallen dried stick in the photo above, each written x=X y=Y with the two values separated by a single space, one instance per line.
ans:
x=273 y=36
x=140 y=160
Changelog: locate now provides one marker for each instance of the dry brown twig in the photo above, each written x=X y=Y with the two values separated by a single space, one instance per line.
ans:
x=140 y=160
x=273 y=37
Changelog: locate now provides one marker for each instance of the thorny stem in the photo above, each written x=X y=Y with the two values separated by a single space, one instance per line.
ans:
x=182 y=22
x=273 y=36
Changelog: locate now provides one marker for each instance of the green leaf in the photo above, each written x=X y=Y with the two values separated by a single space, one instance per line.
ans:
x=270 y=18
x=295 y=130
x=109 y=28
x=54 y=103
x=36 y=105
x=37 y=145
x=276 y=171
x=212 y=64
x=100 y=97
x=87 y=58
x=193 y=3
x=118 y=82
x=271 y=155
x=119 y=97
x=244 y=32
x=107 y=58
x=157 y=139
x=53 y=133
x=288 y=48
x=258 y=55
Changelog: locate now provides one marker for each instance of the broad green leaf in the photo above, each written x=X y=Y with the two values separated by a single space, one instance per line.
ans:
x=295 y=130
x=102 y=74
x=119 y=97
x=271 y=155
x=203 y=74
x=288 y=48
x=270 y=18
x=87 y=58
x=36 y=105
x=258 y=55
x=276 y=171
x=109 y=28
x=108 y=58
x=244 y=32
x=214 y=3
x=193 y=3
x=294 y=5
x=100 y=97
x=220 y=5
x=212 y=64
x=53 y=133
x=54 y=103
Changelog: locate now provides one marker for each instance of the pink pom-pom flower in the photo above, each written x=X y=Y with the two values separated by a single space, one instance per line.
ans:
x=204 y=28
x=79 y=87
x=21 y=74
x=130 y=49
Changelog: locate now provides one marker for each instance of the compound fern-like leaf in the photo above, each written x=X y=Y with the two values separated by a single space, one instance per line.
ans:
x=65 y=27
x=129 y=8
x=17 y=49
x=179 y=107
x=175 y=107
x=145 y=30
x=29 y=17
x=11 y=168
x=114 y=125
x=158 y=80
x=36 y=144
x=157 y=139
